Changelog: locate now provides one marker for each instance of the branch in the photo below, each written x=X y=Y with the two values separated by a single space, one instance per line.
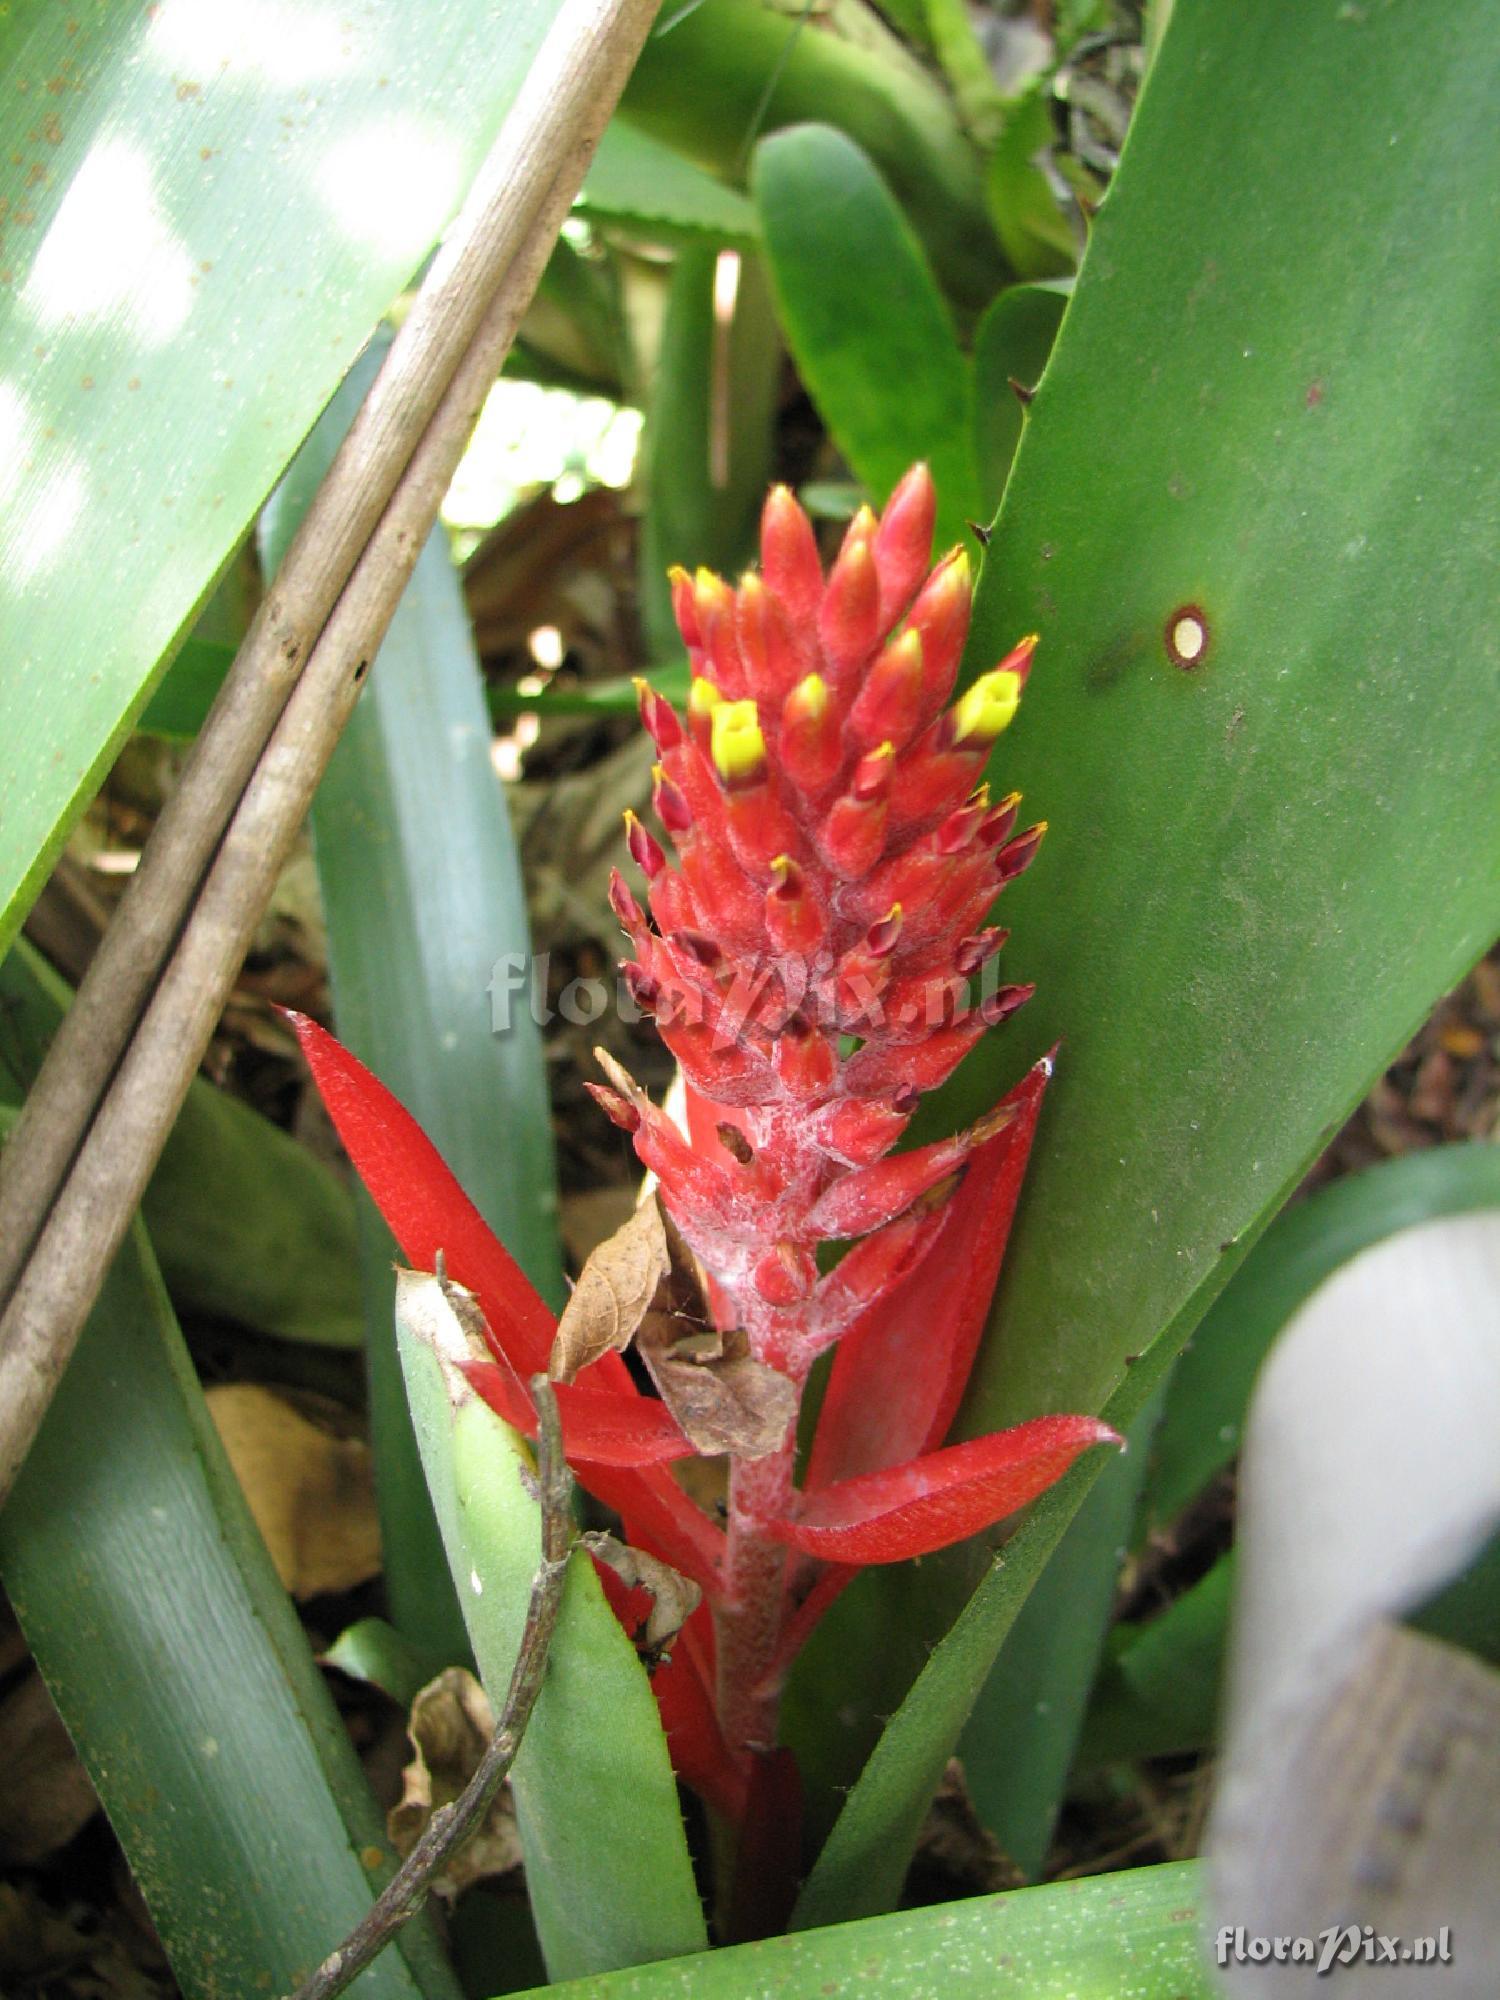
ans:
x=118 y=1069
x=451 y=1825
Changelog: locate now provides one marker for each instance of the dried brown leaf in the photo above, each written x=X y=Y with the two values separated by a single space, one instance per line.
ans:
x=450 y=1725
x=674 y=1597
x=312 y=1495
x=613 y=1294
x=723 y=1399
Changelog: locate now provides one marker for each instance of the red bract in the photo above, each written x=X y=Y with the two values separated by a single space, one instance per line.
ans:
x=808 y=961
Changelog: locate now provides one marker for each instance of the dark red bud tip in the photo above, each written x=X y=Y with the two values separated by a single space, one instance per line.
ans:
x=1001 y=1004
x=658 y=715
x=997 y=824
x=961 y=827
x=905 y=1099
x=614 y=1107
x=644 y=990
x=671 y=804
x=790 y=883
x=629 y=912
x=702 y=950
x=1013 y=859
x=735 y=1144
x=880 y=939
x=645 y=849
x=976 y=951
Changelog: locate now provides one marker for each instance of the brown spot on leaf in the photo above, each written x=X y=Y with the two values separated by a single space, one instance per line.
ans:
x=1187 y=637
x=1314 y=393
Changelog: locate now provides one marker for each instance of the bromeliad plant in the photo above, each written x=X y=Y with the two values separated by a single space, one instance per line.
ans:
x=808 y=962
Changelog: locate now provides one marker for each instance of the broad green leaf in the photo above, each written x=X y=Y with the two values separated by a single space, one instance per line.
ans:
x=185 y=1680
x=182 y=698
x=1262 y=872
x=208 y=208
x=636 y=180
x=1017 y=1747
x=1011 y=347
x=575 y=334
x=1128 y=1937
x=374 y=1651
x=425 y=912
x=708 y=432
x=1158 y=1693
x=245 y=1223
x=1037 y=236
x=248 y=1226
x=713 y=80
x=871 y=334
x=607 y=1865
x=1205 y=1413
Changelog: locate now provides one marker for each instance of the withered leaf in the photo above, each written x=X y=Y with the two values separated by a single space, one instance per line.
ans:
x=674 y=1597
x=723 y=1399
x=614 y=1290
x=451 y=1723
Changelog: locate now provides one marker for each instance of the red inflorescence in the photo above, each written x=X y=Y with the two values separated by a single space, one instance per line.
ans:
x=808 y=961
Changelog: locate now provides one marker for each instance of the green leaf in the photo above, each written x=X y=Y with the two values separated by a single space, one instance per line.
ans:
x=1205 y=1413
x=425 y=910
x=604 y=1892
x=1158 y=1694
x=178 y=1664
x=871 y=334
x=1012 y=345
x=249 y=1226
x=1018 y=1745
x=184 y=695
x=1262 y=872
x=207 y=211
x=1036 y=234
x=371 y=1650
x=1232 y=949
x=713 y=80
x=708 y=433
x=246 y=1224
x=1133 y=1936
x=636 y=180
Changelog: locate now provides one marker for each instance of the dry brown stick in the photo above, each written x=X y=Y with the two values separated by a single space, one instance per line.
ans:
x=452 y=1824
x=548 y=135
x=57 y=1286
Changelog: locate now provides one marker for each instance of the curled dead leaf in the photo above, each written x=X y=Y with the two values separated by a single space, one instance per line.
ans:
x=723 y=1398
x=450 y=1725
x=674 y=1597
x=613 y=1294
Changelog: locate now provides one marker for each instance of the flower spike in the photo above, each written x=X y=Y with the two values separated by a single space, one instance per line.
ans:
x=836 y=856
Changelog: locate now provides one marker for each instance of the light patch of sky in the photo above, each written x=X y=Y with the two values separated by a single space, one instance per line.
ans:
x=108 y=252
x=258 y=41
x=528 y=436
x=392 y=185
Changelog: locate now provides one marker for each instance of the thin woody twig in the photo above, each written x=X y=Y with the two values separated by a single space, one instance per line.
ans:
x=452 y=1824
x=112 y=1085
